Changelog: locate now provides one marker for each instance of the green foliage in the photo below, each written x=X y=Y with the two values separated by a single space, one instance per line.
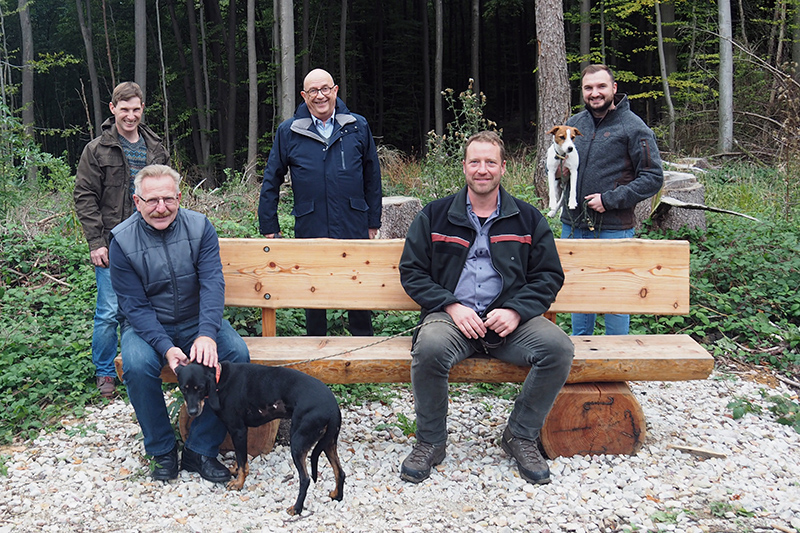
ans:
x=786 y=411
x=361 y=393
x=721 y=509
x=404 y=424
x=442 y=167
x=742 y=406
x=46 y=370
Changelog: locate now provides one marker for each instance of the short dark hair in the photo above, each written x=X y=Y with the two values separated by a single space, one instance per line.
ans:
x=591 y=69
x=125 y=91
x=487 y=137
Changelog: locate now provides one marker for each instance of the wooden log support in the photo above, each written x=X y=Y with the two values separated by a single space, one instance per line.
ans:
x=259 y=440
x=594 y=418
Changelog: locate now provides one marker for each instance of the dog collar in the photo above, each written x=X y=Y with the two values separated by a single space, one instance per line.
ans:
x=559 y=156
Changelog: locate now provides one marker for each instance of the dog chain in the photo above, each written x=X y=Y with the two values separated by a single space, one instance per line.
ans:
x=409 y=330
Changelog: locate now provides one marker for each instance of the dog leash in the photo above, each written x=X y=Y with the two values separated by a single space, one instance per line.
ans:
x=384 y=339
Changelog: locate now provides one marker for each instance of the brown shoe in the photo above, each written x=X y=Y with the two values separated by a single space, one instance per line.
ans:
x=531 y=464
x=106 y=385
x=417 y=466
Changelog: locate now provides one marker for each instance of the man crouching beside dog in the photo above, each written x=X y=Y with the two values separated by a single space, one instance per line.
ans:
x=483 y=266
x=167 y=273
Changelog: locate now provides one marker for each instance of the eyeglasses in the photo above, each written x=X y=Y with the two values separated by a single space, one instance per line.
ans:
x=169 y=201
x=324 y=90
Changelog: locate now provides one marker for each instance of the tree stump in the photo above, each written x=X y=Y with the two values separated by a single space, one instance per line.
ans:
x=259 y=440
x=594 y=418
x=681 y=186
x=398 y=213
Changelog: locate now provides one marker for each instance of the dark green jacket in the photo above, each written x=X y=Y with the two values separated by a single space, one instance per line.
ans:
x=522 y=247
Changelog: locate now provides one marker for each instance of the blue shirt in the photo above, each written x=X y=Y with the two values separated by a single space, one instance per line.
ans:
x=479 y=283
x=324 y=128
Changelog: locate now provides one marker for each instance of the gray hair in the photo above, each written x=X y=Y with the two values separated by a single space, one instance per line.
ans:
x=155 y=171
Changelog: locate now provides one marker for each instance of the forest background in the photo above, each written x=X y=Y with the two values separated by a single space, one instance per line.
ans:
x=716 y=81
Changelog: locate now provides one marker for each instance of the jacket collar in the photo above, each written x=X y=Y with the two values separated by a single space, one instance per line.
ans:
x=457 y=214
x=304 y=125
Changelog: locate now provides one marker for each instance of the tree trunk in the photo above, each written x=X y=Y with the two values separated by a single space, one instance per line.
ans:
x=439 y=67
x=305 y=38
x=552 y=82
x=230 y=123
x=108 y=47
x=287 y=59
x=665 y=76
x=86 y=33
x=200 y=84
x=252 y=82
x=186 y=81
x=796 y=45
x=476 y=46
x=725 y=77
x=342 y=52
x=586 y=33
x=163 y=76
x=140 y=44
x=26 y=32
x=426 y=77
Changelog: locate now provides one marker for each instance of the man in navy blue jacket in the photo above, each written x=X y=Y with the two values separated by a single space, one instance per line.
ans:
x=167 y=273
x=335 y=175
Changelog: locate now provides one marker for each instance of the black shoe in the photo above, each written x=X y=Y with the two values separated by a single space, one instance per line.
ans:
x=209 y=468
x=165 y=467
x=531 y=464
x=417 y=466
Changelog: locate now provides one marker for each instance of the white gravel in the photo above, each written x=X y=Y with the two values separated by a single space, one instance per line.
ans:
x=92 y=476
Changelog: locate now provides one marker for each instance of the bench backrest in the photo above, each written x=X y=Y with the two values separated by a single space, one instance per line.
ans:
x=635 y=276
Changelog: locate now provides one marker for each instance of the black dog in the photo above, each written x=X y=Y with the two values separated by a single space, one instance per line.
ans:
x=250 y=395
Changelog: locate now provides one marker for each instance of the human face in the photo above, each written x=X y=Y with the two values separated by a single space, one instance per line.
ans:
x=320 y=105
x=598 y=92
x=127 y=116
x=161 y=215
x=483 y=169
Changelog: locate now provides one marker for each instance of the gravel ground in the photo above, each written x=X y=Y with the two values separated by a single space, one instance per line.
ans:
x=93 y=477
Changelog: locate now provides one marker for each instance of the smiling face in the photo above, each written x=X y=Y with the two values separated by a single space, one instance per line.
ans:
x=127 y=116
x=483 y=168
x=316 y=83
x=165 y=192
x=599 y=90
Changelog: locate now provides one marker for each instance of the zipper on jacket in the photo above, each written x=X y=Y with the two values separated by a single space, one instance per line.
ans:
x=646 y=152
x=176 y=310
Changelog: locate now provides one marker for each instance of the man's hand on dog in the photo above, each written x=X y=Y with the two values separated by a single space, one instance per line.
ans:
x=204 y=351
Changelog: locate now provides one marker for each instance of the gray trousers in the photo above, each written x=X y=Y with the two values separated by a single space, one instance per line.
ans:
x=439 y=346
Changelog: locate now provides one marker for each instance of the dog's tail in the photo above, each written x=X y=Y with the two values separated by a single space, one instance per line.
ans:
x=327 y=443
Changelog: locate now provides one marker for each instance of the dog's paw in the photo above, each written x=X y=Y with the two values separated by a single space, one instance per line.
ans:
x=551 y=213
x=573 y=205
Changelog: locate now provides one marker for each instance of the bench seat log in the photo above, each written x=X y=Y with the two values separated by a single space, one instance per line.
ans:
x=595 y=412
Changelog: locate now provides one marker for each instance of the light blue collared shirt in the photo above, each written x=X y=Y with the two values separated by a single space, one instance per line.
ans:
x=479 y=283
x=324 y=128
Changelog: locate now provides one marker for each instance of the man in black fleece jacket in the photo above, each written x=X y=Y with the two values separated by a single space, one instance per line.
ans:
x=619 y=166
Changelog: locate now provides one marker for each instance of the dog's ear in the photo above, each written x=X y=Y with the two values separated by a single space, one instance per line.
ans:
x=211 y=387
x=576 y=132
x=553 y=130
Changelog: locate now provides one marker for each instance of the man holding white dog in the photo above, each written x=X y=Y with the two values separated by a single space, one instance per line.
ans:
x=619 y=167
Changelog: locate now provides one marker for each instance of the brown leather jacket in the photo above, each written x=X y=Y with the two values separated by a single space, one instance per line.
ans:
x=102 y=185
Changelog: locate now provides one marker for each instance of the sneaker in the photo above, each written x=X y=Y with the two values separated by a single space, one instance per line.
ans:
x=106 y=385
x=417 y=466
x=531 y=464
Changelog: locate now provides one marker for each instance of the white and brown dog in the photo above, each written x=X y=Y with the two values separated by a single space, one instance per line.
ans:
x=562 y=154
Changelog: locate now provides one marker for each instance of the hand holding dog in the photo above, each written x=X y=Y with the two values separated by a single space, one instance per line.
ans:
x=204 y=351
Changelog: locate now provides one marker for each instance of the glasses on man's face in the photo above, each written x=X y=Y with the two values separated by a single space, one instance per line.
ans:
x=169 y=201
x=324 y=90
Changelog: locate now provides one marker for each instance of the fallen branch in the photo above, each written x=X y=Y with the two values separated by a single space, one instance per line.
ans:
x=700 y=452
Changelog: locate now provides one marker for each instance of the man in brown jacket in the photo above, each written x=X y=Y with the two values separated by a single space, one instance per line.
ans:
x=104 y=198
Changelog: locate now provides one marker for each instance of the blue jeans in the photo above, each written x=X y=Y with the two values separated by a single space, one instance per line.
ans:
x=583 y=324
x=104 y=335
x=439 y=346
x=142 y=366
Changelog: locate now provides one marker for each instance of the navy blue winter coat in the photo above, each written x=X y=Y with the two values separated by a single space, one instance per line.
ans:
x=336 y=182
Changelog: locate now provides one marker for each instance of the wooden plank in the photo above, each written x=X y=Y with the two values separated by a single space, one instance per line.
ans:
x=602 y=276
x=594 y=418
x=597 y=359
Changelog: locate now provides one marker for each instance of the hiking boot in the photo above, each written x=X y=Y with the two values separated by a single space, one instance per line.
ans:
x=531 y=464
x=417 y=466
x=106 y=385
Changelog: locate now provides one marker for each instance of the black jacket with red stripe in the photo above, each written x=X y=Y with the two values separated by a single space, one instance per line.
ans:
x=522 y=247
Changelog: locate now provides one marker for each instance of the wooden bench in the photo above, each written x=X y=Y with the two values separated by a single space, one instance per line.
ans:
x=595 y=412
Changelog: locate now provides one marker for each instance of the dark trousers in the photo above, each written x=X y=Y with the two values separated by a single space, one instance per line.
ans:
x=317 y=323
